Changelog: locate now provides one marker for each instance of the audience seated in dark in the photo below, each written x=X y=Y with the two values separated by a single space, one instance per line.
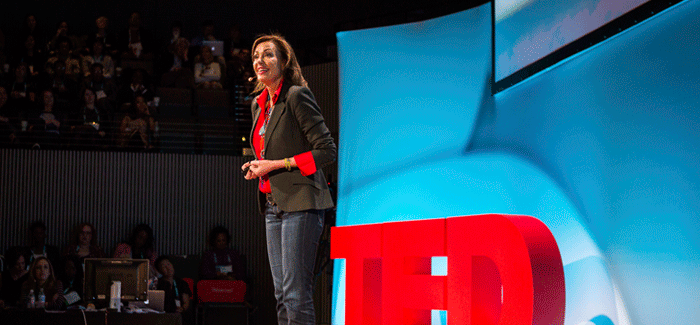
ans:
x=221 y=262
x=33 y=55
x=177 y=291
x=30 y=27
x=207 y=73
x=135 y=42
x=37 y=246
x=50 y=124
x=42 y=276
x=64 y=52
x=137 y=121
x=139 y=86
x=176 y=67
x=207 y=34
x=91 y=125
x=21 y=107
x=102 y=35
x=105 y=89
x=70 y=273
x=139 y=246
x=8 y=127
x=96 y=54
x=65 y=89
x=62 y=32
x=12 y=278
x=83 y=243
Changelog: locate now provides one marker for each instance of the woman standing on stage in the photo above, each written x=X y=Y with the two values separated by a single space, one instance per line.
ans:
x=292 y=144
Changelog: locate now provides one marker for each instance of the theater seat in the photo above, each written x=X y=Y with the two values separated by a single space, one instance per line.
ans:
x=221 y=302
x=175 y=102
x=212 y=103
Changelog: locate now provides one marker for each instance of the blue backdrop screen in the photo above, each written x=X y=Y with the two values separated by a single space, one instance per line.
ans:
x=602 y=149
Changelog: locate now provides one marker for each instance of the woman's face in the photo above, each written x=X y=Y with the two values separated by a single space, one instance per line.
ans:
x=101 y=22
x=166 y=268
x=220 y=241
x=31 y=22
x=20 y=264
x=42 y=271
x=63 y=28
x=267 y=63
x=86 y=233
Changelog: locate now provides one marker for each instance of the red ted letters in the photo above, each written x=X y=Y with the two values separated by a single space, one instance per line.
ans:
x=501 y=269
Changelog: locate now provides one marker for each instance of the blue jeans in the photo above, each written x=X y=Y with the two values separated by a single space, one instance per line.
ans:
x=292 y=241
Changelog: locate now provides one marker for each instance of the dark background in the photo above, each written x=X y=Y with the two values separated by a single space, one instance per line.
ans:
x=309 y=25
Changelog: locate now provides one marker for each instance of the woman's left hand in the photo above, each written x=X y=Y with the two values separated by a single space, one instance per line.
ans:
x=259 y=168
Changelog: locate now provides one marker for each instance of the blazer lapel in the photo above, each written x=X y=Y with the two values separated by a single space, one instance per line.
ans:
x=280 y=107
x=256 y=116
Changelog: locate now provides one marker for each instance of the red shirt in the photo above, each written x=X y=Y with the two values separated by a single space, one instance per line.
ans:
x=305 y=161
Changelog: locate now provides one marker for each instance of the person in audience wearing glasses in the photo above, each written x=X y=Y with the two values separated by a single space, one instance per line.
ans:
x=13 y=278
x=83 y=243
x=139 y=246
x=221 y=262
x=42 y=278
x=292 y=144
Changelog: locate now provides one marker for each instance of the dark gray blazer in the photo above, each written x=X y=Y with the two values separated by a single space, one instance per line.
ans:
x=296 y=126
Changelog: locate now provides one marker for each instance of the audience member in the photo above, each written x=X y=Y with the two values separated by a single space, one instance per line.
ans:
x=234 y=42
x=139 y=246
x=71 y=277
x=137 y=121
x=22 y=89
x=103 y=36
x=206 y=35
x=65 y=89
x=37 y=247
x=221 y=262
x=176 y=67
x=7 y=129
x=139 y=86
x=105 y=89
x=61 y=34
x=97 y=55
x=177 y=291
x=30 y=28
x=83 y=243
x=42 y=278
x=48 y=126
x=92 y=123
x=135 y=42
x=64 y=53
x=12 y=279
x=207 y=73
x=33 y=56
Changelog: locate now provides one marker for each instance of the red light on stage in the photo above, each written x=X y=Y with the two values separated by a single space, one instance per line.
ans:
x=388 y=277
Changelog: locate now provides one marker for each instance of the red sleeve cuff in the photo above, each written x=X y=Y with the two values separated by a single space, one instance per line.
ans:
x=306 y=163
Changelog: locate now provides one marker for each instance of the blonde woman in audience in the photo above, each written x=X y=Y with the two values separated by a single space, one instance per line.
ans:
x=43 y=278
